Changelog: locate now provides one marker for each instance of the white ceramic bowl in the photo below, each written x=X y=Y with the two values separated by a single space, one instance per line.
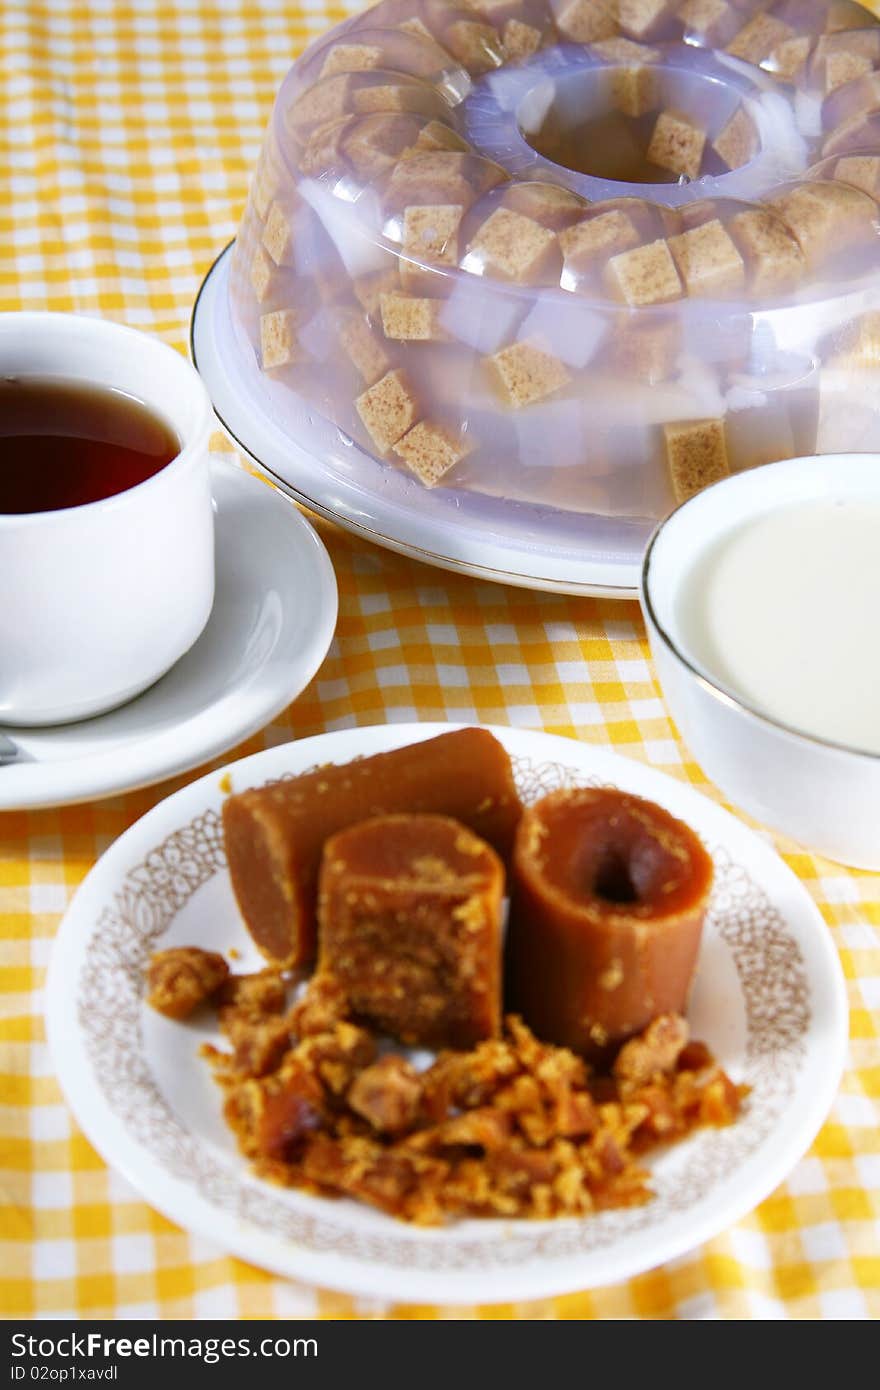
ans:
x=98 y=601
x=823 y=794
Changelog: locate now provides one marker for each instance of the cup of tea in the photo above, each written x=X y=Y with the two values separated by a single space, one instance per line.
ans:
x=106 y=518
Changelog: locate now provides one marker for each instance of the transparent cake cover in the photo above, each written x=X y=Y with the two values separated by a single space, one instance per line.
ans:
x=546 y=268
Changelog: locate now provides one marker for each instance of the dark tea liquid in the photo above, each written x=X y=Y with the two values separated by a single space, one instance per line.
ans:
x=64 y=443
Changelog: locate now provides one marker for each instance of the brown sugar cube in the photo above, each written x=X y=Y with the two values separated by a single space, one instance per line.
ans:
x=278 y=341
x=646 y=275
x=512 y=245
x=841 y=68
x=182 y=978
x=774 y=259
x=414 y=97
x=633 y=85
x=430 y=234
x=476 y=46
x=430 y=451
x=439 y=177
x=757 y=39
x=274 y=835
x=639 y=17
x=325 y=147
x=546 y=203
x=411 y=319
x=265 y=185
x=737 y=142
x=388 y=409
x=585 y=21
x=437 y=136
x=351 y=57
x=708 y=261
x=861 y=347
x=600 y=236
x=647 y=351
x=375 y=143
x=528 y=373
x=326 y=101
x=787 y=59
x=862 y=171
x=409 y=924
x=368 y=289
x=826 y=217
x=519 y=40
x=708 y=18
x=363 y=348
x=278 y=235
x=262 y=271
x=696 y=452
x=677 y=144
x=609 y=895
x=621 y=50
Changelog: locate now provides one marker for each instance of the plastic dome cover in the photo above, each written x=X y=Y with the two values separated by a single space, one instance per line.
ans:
x=585 y=256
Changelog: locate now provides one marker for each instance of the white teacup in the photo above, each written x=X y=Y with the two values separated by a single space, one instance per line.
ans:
x=100 y=600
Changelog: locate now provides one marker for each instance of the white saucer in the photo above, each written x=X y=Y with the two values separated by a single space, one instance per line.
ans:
x=505 y=541
x=273 y=620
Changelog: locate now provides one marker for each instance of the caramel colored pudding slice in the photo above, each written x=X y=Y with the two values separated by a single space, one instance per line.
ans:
x=409 y=924
x=609 y=895
x=275 y=835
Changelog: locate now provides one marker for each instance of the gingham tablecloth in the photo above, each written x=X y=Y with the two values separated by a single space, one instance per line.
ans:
x=127 y=134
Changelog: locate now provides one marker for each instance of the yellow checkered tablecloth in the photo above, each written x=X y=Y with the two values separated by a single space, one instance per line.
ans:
x=128 y=132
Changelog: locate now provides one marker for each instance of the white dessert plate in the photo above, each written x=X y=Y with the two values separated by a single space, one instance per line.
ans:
x=272 y=622
x=508 y=542
x=769 y=998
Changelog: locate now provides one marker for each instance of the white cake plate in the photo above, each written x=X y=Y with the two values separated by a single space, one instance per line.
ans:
x=508 y=542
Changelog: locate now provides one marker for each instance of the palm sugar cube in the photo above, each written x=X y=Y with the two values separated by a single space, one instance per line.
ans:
x=645 y=275
x=409 y=318
x=528 y=374
x=278 y=340
x=677 y=144
x=278 y=235
x=696 y=452
x=388 y=409
x=409 y=925
x=265 y=184
x=274 y=835
x=351 y=57
x=430 y=451
x=825 y=217
x=363 y=348
x=414 y=97
x=519 y=40
x=374 y=144
x=708 y=261
x=775 y=261
x=584 y=21
x=511 y=245
x=737 y=142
